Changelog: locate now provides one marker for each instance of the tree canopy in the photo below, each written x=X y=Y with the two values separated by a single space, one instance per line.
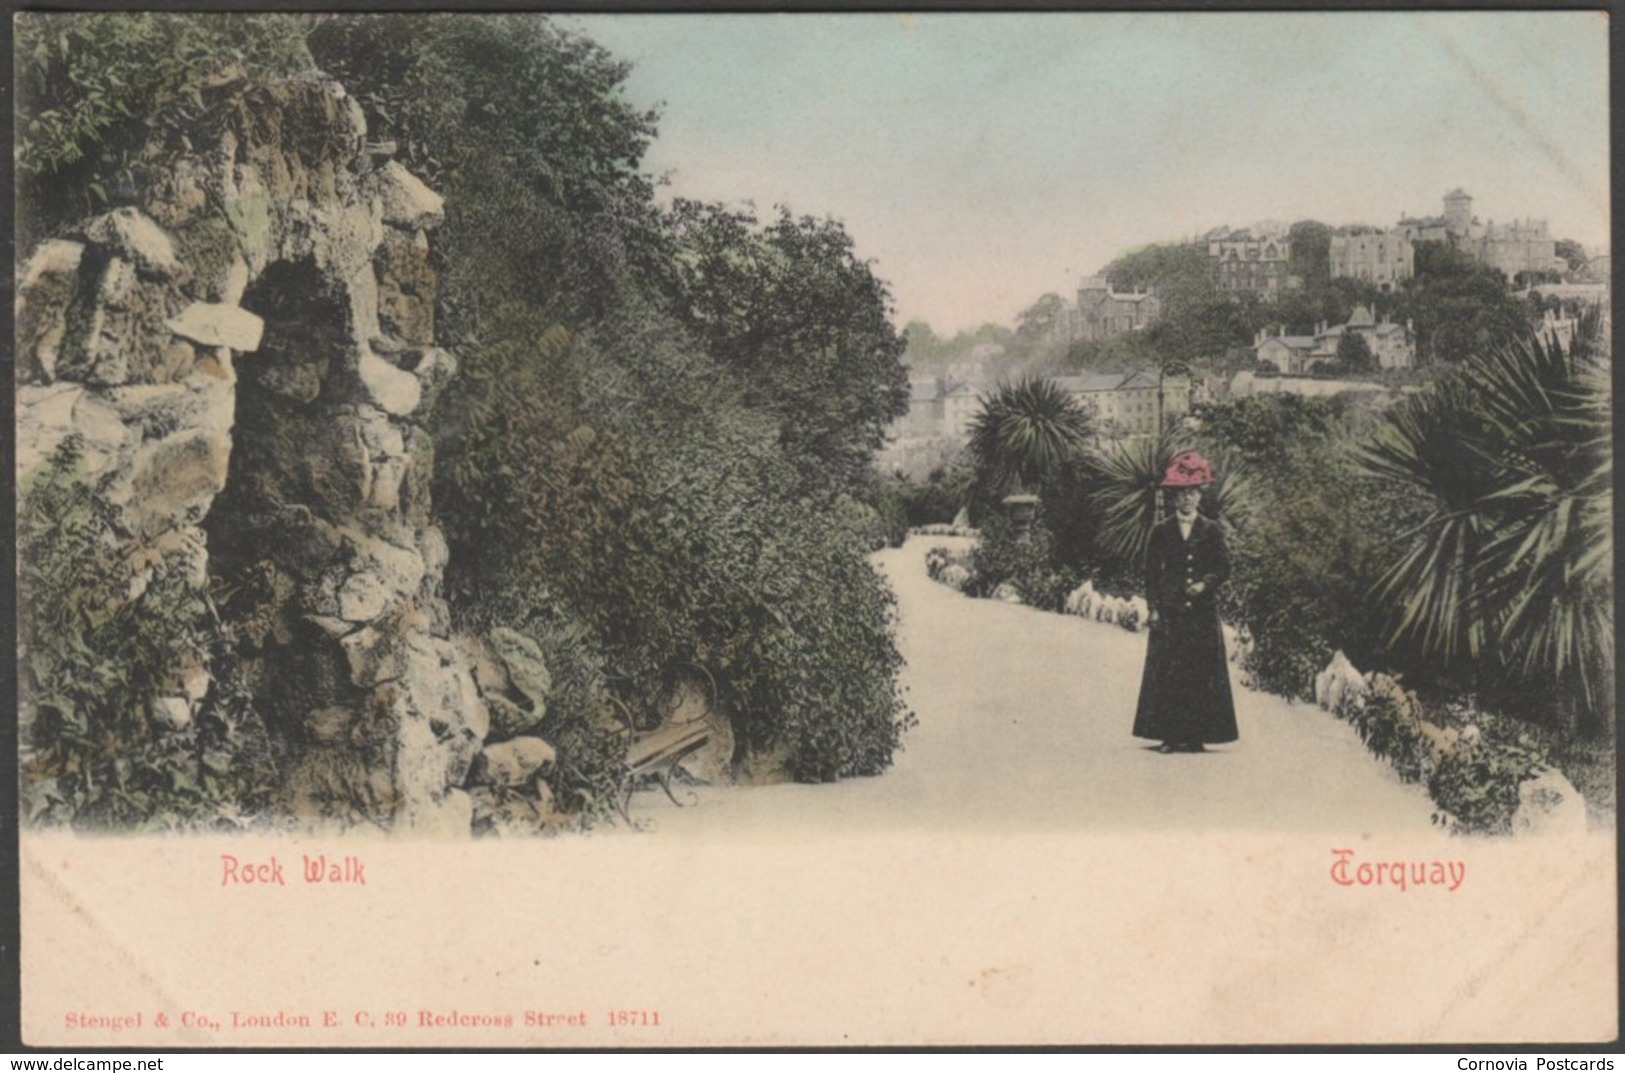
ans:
x=807 y=324
x=651 y=456
x=665 y=414
x=1460 y=307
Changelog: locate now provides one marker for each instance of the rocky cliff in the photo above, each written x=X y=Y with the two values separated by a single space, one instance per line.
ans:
x=238 y=365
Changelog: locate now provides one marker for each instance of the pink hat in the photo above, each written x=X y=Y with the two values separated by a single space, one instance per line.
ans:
x=1188 y=470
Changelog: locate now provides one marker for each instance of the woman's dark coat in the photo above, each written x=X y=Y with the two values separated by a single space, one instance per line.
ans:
x=1185 y=692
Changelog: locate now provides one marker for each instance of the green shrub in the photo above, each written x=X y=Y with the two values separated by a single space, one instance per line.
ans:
x=92 y=658
x=1389 y=727
x=583 y=722
x=665 y=519
x=999 y=558
x=1314 y=537
x=937 y=500
x=92 y=86
x=1476 y=784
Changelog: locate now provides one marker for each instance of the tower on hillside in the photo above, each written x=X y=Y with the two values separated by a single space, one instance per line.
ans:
x=1458 y=212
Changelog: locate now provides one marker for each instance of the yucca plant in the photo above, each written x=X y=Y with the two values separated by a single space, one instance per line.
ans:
x=1513 y=566
x=1026 y=430
x=1126 y=495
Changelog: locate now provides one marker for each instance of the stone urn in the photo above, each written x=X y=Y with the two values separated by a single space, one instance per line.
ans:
x=1023 y=507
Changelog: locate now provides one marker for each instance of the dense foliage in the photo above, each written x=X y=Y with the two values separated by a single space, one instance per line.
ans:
x=1024 y=431
x=1023 y=561
x=790 y=306
x=1460 y=308
x=522 y=127
x=1511 y=570
x=651 y=462
x=664 y=417
x=93 y=89
x=1316 y=535
x=90 y=658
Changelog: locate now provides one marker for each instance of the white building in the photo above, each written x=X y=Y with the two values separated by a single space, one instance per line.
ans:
x=1380 y=257
x=1393 y=346
x=1126 y=404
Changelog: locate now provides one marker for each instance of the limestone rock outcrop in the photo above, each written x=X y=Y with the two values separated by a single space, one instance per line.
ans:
x=239 y=366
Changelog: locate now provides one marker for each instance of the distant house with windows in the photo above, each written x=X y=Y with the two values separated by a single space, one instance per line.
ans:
x=1392 y=345
x=1102 y=313
x=940 y=406
x=1125 y=405
x=1517 y=248
x=1290 y=354
x=1250 y=262
x=1381 y=257
x=936 y=427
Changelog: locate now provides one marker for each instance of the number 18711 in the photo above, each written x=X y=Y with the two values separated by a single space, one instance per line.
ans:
x=634 y=1018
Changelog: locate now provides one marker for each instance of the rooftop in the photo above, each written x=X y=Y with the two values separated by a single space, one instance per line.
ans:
x=1293 y=342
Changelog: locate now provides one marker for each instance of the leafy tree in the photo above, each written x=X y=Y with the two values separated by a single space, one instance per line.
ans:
x=1354 y=353
x=1309 y=252
x=790 y=307
x=1195 y=334
x=1180 y=274
x=523 y=127
x=1573 y=253
x=1039 y=320
x=1460 y=307
x=1260 y=429
x=1119 y=353
x=923 y=349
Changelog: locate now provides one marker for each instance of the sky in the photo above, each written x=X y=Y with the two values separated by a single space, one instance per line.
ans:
x=982 y=160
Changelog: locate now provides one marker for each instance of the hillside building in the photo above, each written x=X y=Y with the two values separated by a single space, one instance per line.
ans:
x=1381 y=257
x=940 y=407
x=1125 y=405
x=1393 y=346
x=1516 y=248
x=1102 y=313
x=1244 y=262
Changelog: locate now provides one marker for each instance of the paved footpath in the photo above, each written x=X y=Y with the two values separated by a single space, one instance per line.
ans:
x=1024 y=723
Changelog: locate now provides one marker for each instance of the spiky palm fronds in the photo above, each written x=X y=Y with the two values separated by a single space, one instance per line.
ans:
x=1125 y=494
x=1516 y=557
x=1025 y=430
x=1126 y=497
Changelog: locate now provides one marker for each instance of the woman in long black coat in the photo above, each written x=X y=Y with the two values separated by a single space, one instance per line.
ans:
x=1185 y=700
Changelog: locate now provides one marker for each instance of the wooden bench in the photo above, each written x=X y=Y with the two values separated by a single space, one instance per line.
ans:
x=658 y=753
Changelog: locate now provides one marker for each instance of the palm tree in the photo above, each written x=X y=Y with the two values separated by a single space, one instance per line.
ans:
x=1514 y=561
x=1127 y=494
x=1024 y=432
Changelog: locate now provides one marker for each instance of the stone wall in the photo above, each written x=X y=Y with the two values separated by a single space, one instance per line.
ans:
x=243 y=361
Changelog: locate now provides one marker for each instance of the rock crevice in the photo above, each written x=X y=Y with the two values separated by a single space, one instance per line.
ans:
x=241 y=365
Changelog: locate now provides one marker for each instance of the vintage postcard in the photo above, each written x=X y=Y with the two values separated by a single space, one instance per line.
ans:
x=672 y=530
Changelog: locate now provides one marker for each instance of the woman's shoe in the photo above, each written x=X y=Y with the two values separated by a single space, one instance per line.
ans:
x=1168 y=747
